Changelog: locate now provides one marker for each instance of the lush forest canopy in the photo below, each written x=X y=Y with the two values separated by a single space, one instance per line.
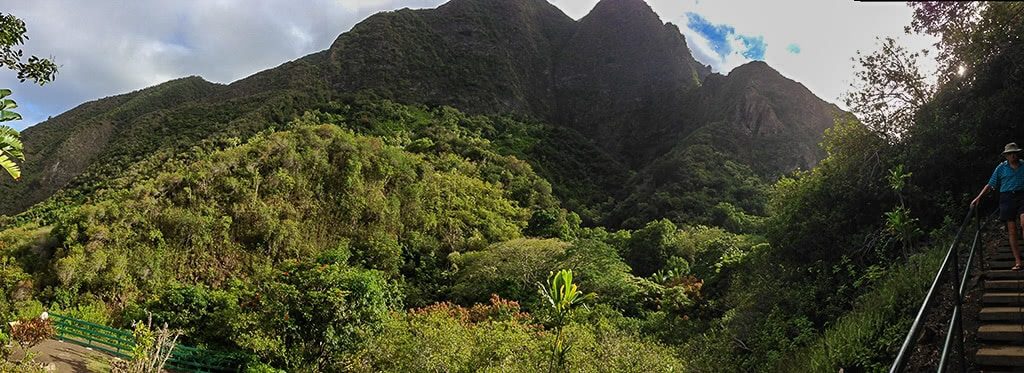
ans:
x=315 y=231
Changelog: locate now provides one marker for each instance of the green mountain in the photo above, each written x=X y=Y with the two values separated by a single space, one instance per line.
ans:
x=393 y=202
x=622 y=98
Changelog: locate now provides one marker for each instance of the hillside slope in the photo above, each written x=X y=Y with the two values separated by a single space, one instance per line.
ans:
x=620 y=83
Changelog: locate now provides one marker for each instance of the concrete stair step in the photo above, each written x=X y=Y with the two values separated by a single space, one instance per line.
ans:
x=1003 y=297
x=1007 y=356
x=1003 y=274
x=1005 y=284
x=1012 y=313
x=1000 y=264
x=1000 y=256
x=1002 y=332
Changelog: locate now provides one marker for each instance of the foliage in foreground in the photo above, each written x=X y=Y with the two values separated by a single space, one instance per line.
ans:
x=499 y=337
x=251 y=246
x=867 y=337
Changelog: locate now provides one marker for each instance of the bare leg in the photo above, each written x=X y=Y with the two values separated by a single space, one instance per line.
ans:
x=1013 y=245
x=1011 y=228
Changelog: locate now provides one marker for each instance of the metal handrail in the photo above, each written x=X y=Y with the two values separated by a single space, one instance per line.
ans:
x=115 y=342
x=951 y=263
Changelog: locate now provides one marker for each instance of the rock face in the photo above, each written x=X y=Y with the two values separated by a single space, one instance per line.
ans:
x=494 y=56
x=620 y=76
x=775 y=122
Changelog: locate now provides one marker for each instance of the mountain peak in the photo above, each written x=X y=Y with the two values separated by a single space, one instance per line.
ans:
x=620 y=13
x=619 y=76
x=755 y=67
x=624 y=5
x=501 y=7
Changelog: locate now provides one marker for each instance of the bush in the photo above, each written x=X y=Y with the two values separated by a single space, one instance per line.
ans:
x=29 y=332
x=511 y=269
x=308 y=315
x=445 y=338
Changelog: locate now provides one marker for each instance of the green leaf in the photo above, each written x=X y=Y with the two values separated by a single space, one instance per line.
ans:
x=10 y=144
x=11 y=167
x=9 y=116
x=7 y=104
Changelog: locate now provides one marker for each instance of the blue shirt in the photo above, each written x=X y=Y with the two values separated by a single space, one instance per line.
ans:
x=1006 y=179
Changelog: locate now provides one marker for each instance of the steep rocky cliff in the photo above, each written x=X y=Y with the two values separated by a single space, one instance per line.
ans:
x=774 y=122
x=622 y=77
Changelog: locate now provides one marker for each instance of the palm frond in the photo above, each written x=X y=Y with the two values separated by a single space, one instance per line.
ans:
x=12 y=168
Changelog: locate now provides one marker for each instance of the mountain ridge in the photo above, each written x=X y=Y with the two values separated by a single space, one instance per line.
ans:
x=635 y=90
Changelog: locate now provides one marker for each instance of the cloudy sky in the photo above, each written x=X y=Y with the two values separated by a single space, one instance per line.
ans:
x=109 y=47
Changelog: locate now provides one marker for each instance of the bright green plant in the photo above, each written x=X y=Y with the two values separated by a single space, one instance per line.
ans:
x=6 y=106
x=897 y=179
x=10 y=142
x=898 y=221
x=564 y=297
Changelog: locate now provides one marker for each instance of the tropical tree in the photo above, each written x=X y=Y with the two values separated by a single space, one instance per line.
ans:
x=889 y=89
x=965 y=31
x=13 y=34
x=39 y=70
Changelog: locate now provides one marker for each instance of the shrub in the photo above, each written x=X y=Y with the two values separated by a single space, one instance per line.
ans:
x=30 y=332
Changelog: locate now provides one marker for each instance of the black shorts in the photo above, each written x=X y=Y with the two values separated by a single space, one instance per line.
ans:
x=1011 y=205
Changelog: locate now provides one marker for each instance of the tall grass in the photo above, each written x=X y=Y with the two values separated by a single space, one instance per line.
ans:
x=869 y=337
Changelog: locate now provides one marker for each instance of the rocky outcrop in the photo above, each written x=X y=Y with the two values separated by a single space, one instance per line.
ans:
x=775 y=121
x=622 y=77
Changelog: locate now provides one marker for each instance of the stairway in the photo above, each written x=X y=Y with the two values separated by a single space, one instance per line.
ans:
x=1001 y=319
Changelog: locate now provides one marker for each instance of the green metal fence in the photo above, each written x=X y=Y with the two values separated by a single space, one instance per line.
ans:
x=120 y=343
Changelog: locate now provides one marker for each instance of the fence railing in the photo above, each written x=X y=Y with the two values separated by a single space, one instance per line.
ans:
x=120 y=343
x=951 y=267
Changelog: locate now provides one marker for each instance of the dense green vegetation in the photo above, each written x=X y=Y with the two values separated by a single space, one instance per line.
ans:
x=351 y=214
x=392 y=221
x=411 y=230
x=306 y=230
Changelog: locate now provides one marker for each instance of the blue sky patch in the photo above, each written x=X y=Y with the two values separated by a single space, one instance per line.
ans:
x=717 y=35
x=793 y=48
x=180 y=34
x=755 y=47
x=722 y=37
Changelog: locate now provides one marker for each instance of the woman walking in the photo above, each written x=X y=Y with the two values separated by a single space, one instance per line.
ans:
x=1008 y=179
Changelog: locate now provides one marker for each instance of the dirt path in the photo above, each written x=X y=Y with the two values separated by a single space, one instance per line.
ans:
x=69 y=357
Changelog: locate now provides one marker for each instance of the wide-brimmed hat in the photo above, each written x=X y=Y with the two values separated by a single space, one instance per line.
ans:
x=1011 y=148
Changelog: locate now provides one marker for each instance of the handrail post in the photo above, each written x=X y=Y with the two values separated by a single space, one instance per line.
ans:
x=981 y=256
x=955 y=272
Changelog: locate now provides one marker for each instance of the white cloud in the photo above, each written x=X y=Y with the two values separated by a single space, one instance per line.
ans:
x=111 y=47
x=829 y=34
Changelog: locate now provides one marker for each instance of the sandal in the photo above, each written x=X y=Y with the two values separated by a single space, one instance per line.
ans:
x=1017 y=267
